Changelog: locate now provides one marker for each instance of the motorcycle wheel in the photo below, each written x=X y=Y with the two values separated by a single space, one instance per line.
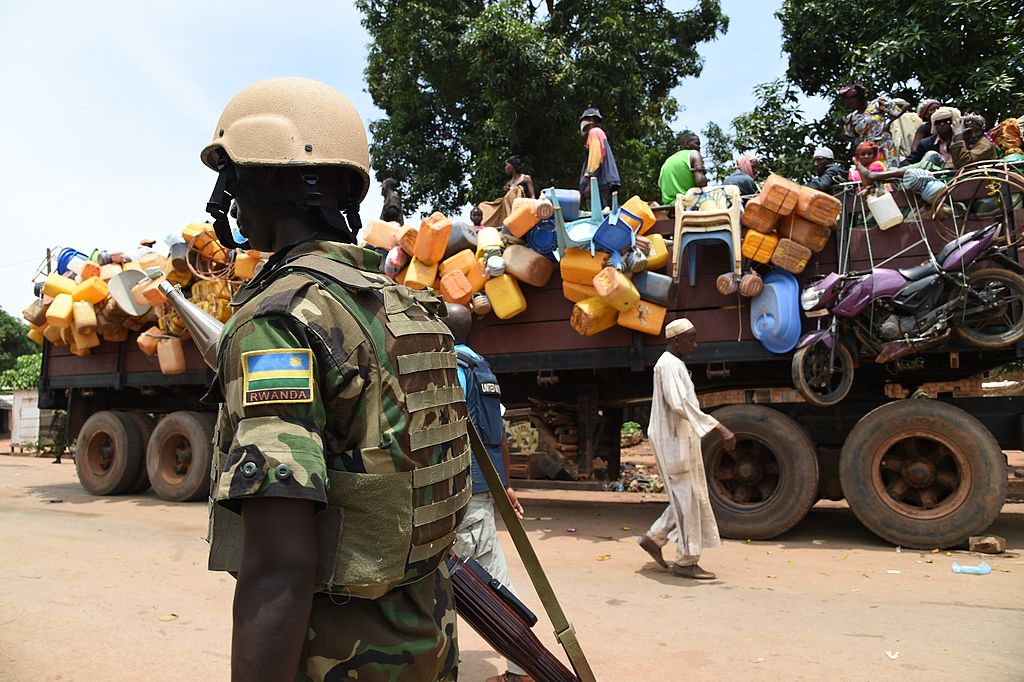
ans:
x=1003 y=325
x=813 y=378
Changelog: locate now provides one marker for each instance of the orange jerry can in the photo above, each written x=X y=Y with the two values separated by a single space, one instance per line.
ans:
x=420 y=275
x=35 y=335
x=463 y=260
x=641 y=209
x=528 y=266
x=757 y=217
x=791 y=256
x=58 y=284
x=592 y=316
x=799 y=229
x=406 y=238
x=94 y=290
x=147 y=341
x=759 y=247
x=779 y=195
x=616 y=289
x=170 y=355
x=84 y=317
x=658 y=256
x=455 y=288
x=522 y=218
x=432 y=238
x=61 y=311
x=578 y=266
x=35 y=313
x=818 y=207
x=506 y=298
x=577 y=292
x=477 y=278
x=645 y=317
x=381 y=235
x=203 y=240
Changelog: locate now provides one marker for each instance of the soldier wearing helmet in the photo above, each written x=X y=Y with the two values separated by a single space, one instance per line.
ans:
x=341 y=467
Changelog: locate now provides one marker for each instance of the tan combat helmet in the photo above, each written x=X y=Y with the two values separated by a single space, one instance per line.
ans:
x=296 y=122
x=291 y=122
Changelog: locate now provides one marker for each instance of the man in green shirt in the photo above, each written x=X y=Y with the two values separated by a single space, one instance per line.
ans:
x=682 y=170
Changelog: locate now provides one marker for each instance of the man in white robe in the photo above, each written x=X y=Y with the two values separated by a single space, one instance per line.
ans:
x=676 y=428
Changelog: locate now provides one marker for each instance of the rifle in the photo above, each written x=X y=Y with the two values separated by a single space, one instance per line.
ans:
x=487 y=605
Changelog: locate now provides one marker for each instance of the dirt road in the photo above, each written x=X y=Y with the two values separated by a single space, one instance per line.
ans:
x=116 y=589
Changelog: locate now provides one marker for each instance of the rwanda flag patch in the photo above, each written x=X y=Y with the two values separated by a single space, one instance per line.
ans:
x=277 y=376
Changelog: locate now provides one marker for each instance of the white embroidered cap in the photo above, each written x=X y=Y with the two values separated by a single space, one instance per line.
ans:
x=677 y=327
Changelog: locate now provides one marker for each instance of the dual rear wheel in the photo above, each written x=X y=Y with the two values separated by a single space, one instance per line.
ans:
x=918 y=473
x=120 y=452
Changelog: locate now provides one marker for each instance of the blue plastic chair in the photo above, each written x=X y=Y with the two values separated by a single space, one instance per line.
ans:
x=693 y=239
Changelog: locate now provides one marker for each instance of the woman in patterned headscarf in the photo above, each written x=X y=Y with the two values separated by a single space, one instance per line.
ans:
x=1007 y=137
x=869 y=120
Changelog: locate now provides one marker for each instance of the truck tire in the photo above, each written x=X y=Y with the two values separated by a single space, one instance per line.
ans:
x=770 y=482
x=145 y=424
x=178 y=456
x=108 y=453
x=923 y=474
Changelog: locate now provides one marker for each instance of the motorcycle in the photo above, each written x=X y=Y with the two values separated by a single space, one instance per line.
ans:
x=889 y=314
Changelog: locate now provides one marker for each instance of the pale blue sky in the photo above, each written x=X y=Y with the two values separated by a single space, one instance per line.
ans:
x=107 y=105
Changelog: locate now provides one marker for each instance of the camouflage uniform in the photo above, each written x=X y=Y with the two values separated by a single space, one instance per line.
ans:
x=317 y=408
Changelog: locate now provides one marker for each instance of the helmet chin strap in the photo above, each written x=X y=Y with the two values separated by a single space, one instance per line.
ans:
x=228 y=187
x=220 y=203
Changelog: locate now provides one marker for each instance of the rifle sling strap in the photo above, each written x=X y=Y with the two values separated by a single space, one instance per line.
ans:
x=564 y=631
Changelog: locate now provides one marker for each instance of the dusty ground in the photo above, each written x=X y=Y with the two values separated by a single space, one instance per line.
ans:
x=91 y=585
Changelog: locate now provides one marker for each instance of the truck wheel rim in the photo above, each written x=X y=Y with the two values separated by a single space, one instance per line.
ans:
x=99 y=455
x=748 y=478
x=175 y=459
x=921 y=475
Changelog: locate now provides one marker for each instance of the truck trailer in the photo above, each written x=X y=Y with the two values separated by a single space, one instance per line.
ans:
x=917 y=472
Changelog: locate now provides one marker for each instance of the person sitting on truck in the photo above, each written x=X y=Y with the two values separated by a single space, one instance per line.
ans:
x=476 y=217
x=600 y=162
x=869 y=119
x=924 y=112
x=747 y=167
x=478 y=534
x=311 y=372
x=829 y=176
x=932 y=153
x=516 y=176
x=675 y=431
x=683 y=170
x=970 y=144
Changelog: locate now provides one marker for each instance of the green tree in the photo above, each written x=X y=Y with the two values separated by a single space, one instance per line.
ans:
x=14 y=341
x=718 y=149
x=24 y=373
x=776 y=130
x=966 y=52
x=464 y=84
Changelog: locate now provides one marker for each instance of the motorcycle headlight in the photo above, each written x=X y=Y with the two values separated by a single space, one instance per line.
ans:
x=809 y=298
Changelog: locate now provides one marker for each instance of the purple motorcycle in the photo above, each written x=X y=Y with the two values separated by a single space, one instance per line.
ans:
x=888 y=314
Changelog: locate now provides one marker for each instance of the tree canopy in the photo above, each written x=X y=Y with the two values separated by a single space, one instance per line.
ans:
x=23 y=374
x=14 y=341
x=968 y=53
x=466 y=83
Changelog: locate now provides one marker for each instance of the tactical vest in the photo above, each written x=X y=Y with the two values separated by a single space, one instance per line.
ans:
x=386 y=528
x=483 y=401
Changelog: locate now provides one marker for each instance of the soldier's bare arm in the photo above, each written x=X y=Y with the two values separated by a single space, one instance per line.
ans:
x=274 y=593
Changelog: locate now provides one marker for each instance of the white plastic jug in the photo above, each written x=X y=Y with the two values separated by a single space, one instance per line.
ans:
x=884 y=210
